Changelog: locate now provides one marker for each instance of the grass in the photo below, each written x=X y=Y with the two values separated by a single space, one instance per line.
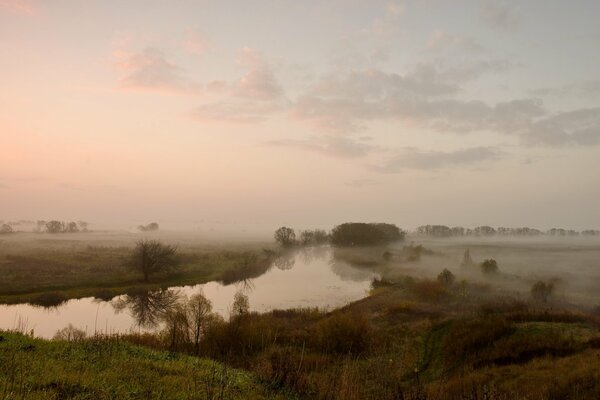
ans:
x=49 y=269
x=111 y=369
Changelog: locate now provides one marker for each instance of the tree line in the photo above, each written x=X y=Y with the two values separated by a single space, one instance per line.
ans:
x=485 y=230
x=344 y=235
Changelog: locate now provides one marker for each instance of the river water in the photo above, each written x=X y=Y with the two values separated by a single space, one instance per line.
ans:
x=307 y=278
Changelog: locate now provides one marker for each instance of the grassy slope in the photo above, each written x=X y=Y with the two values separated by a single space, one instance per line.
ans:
x=103 y=369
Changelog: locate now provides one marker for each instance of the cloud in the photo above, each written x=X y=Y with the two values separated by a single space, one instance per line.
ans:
x=584 y=89
x=150 y=70
x=329 y=145
x=235 y=111
x=425 y=96
x=259 y=82
x=499 y=16
x=577 y=127
x=415 y=159
x=441 y=41
x=195 y=42
x=388 y=24
x=25 y=7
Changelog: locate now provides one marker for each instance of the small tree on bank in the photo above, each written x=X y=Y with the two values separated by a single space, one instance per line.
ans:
x=541 y=291
x=152 y=256
x=285 y=236
x=5 y=228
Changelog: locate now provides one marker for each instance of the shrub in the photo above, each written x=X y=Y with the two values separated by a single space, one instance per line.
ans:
x=489 y=267
x=343 y=333
x=70 y=334
x=541 y=291
x=446 y=278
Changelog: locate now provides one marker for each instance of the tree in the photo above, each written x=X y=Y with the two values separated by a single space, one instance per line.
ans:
x=152 y=226
x=489 y=267
x=5 y=228
x=542 y=291
x=363 y=234
x=240 y=306
x=72 y=227
x=467 y=260
x=152 y=256
x=446 y=278
x=198 y=310
x=285 y=236
x=55 y=226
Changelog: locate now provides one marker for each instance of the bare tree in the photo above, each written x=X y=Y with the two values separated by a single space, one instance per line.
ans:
x=151 y=256
x=198 y=310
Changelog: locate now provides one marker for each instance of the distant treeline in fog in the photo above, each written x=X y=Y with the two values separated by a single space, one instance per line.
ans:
x=484 y=230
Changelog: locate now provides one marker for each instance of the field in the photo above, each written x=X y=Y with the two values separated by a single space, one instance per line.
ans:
x=419 y=334
x=47 y=269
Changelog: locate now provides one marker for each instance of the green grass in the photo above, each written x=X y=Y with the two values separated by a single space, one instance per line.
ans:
x=111 y=369
x=46 y=270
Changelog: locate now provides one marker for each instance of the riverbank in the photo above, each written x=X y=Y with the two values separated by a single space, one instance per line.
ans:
x=49 y=269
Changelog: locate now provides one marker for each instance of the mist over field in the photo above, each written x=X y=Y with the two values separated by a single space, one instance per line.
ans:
x=330 y=200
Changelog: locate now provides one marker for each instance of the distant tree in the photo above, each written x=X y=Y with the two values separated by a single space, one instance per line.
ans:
x=446 y=278
x=40 y=225
x=467 y=260
x=542 y=291
x=6 y=228
x=285 y=236
x=83 y=226
x=55 y=226
x=489 y=267
x=434 y=230
x=365 y=234
x=590 y=232
x=484 y=231
x=152 y=256
x=458 y=231
x=313 y=238
x=72 y=227
x=152 y=226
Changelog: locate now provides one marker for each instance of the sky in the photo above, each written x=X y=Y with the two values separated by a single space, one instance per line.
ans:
x=257 y=114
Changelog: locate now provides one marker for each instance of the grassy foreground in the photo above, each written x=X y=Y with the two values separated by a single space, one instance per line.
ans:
x=112 y=369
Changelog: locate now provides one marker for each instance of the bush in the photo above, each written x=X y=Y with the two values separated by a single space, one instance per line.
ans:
x=343 y=333
x=5 y=228
x=489 y=267
x=70 y=334
x=541 y=291
x=446 y=278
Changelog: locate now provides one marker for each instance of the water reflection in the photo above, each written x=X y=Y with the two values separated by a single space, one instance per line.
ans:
x=307 y=277
x=147 y=308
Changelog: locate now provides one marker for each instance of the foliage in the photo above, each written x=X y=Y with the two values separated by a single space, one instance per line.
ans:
x=151 y=227
x=446 y=278
x=489 y=267
x=6 y=228
x=541 y=291
x=285 y=236
x=365 y=234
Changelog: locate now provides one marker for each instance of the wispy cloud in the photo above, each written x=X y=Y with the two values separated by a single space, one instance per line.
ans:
x=329 y=145
x=360 y=183
x=499 y=16
x=441 y=41
x=150 y=70
x=415 y=159
x=585 y=89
